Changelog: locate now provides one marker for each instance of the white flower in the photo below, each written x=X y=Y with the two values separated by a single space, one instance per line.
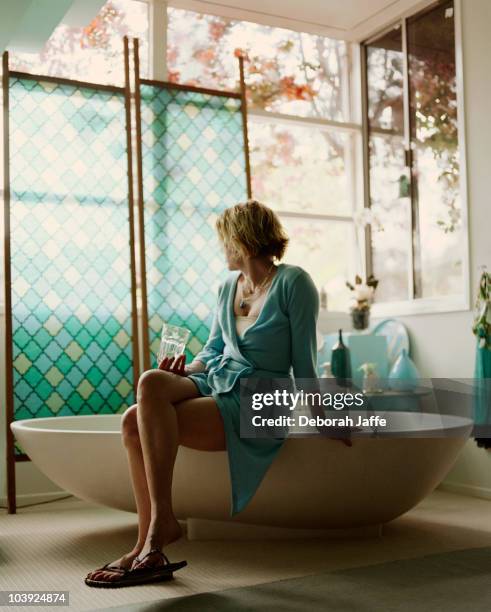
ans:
x=363 y=292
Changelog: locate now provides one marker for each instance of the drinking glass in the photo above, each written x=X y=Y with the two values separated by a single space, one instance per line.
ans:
x=173 y=341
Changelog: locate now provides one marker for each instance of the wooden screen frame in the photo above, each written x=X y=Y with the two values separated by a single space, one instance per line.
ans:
x=11 y=457
x=239 y=95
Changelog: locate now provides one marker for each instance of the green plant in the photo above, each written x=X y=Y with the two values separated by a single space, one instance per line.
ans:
x=482 y=321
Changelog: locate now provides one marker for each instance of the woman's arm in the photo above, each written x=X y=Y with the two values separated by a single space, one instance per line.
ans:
x=195 y=367
x=303 y=311
x=213 y=347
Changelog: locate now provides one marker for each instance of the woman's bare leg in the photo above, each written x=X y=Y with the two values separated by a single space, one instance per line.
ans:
x=160 y=431
x=200 y=424
x=132 y=443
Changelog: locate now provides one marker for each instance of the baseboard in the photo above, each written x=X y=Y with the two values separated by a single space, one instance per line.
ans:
x=28 y=499
x=465 y=489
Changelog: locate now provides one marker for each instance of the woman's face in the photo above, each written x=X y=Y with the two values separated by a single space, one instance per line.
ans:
x=233 y=260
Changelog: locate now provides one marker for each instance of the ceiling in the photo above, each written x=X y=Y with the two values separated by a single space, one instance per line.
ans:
x=352 y=20
x=25 y=25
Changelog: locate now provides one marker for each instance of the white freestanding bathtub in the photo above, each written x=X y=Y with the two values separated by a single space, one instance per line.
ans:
x=313 y=483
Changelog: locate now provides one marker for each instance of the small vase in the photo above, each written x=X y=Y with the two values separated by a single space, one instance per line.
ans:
x=341 y=362
x=404 y=375
x=360 y=318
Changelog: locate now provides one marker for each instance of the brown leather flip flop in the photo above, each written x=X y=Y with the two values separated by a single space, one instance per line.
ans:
x=139 y=575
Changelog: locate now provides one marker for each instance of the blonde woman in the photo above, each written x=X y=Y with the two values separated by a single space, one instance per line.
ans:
x=264 y=324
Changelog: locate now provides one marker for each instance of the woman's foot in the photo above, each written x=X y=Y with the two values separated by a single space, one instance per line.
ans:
x=171 y=532
x=123 y=562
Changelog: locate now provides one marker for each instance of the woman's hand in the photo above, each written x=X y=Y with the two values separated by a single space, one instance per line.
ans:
x=326 y=430
x=175 y=365
x=178 y=365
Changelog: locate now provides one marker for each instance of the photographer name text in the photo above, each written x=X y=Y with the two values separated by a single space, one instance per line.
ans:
x=292 y=401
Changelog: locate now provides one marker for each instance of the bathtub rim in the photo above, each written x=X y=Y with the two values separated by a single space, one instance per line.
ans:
x=463 y=425
x=25 y=424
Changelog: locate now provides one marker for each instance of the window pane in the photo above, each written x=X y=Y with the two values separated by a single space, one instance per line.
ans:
x=325 y=250
x=93 y=53
x=391 y=247
x=385 y=62
x=289 y=72
x=433 y=101
x=300 y=169
x=389 y=182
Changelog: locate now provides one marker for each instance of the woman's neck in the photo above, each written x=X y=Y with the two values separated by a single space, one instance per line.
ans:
x=256 y=270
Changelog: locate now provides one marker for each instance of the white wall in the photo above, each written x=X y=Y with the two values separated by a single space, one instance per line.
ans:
x=443 y=344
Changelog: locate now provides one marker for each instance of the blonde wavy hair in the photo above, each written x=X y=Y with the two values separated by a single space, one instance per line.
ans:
x=252 y=229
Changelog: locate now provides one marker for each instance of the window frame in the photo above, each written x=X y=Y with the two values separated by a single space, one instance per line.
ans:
x=353 y=126
x=415 y=305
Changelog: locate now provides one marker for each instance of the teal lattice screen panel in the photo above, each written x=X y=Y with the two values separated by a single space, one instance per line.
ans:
x=193 y=168
x=70 y=250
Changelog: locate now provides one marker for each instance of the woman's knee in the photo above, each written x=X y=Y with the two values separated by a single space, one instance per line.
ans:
x=154 y=383
x=129 y=425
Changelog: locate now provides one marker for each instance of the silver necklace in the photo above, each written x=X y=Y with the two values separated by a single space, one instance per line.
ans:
x=244 y=299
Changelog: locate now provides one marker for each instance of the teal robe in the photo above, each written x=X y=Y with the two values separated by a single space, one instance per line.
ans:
x=281 y=342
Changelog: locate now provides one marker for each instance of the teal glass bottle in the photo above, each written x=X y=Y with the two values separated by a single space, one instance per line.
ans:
x=341 y=362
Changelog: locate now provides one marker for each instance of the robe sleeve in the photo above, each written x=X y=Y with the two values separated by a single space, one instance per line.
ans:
x=215 y=343
x=303 y=311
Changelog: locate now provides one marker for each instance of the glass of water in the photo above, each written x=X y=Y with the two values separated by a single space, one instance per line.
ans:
x=173 y=341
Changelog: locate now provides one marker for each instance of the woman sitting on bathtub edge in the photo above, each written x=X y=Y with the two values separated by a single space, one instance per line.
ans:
x=265 y=322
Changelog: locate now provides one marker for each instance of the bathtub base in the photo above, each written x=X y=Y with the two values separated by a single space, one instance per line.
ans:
x=202 y=530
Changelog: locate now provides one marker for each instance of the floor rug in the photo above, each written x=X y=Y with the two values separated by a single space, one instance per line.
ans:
x=450 y=582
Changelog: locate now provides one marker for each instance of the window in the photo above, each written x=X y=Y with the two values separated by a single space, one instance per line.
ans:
x=414 y=166
x=93 y=53
x=303 y=148
x=288 y=72
x=305 y=142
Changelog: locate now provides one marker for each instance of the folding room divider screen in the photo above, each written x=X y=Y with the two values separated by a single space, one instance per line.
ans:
x=194 y=165
x=72 y=332
x=70 y=255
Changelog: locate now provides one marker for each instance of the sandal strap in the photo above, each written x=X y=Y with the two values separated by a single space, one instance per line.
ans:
x=115 y=568
x=150 y=552
x=111 y=568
